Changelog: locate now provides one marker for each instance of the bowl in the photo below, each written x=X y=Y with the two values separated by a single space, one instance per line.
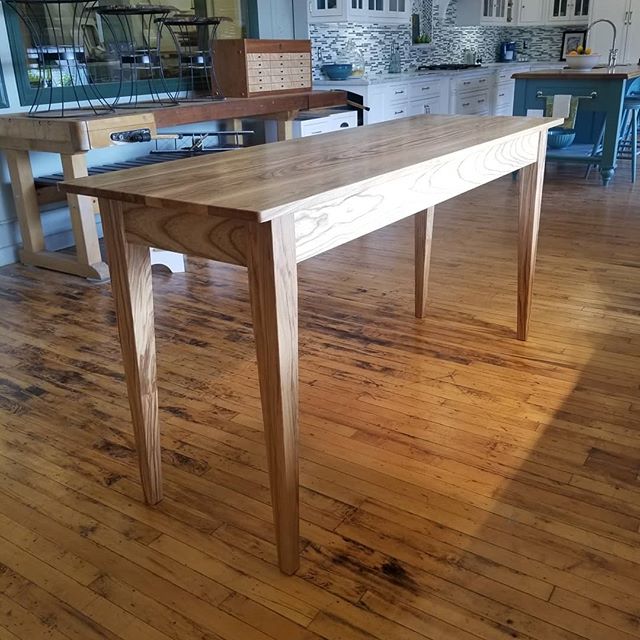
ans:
x=583 y=62
x=560 y=138
x=337 y=71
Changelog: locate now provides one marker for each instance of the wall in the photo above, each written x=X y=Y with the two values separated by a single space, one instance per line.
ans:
x=376 y=41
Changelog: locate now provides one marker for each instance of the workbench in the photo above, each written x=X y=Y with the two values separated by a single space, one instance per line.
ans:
x=72 y=137
x=600 y=90
x=272 y=206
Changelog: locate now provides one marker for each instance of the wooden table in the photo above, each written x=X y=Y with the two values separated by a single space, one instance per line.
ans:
x=271 y=207
x=72 y=137
x=602 y=90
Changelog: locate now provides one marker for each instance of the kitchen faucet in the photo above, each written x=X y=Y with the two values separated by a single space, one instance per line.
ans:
x=613 y=52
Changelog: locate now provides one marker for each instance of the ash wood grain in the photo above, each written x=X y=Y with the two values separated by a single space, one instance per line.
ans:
x=530 y=204
x=274 y=305
x=133 y=298
x=423 y=240
x=212 y=237
x=261 y=183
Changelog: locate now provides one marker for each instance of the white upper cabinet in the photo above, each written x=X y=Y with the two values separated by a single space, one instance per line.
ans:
x=625 y=14
x=530 y=11
x=569 y=11
x=380 y=11
x=475 y=12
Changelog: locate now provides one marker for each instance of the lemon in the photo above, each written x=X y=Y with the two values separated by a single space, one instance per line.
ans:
x=573 y=53
x=580 y=49
x=587 y=52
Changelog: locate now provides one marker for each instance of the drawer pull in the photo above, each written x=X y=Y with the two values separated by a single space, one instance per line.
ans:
x=466 y=104
x=466 y=83
x=482 y=80
x=399 y=92
x=501 y=95
x=481 y=101
x=426 y=88
x=397 y=113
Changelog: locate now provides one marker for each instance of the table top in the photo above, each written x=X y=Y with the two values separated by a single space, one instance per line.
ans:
x=263 y=182
x=622 y=72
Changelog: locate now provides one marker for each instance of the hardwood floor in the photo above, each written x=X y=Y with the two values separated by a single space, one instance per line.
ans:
x=456 y=483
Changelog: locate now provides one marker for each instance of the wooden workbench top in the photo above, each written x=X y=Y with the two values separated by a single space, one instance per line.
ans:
x=623 y=72
x=264 y=182
x=84 y=131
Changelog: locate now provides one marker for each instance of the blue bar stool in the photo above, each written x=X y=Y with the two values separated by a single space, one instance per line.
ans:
x=628 y=145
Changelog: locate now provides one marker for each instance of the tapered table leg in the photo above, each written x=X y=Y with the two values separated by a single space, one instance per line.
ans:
x=423 y=238
x=131 y=285
x=274 y=304
x=531 y=183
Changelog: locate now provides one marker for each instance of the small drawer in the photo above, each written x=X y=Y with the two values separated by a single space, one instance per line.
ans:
x=255 y=87
x=396 y=93
x=396 y=111
x=257 y=64
x=425 y=88
x=423 y=107
x=473 y=83
x=476 y=103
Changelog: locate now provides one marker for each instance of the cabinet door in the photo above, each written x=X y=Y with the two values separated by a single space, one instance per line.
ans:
x=375 y=8
x=560 y=10
x=398 y=8
x=601 y=36
x=326 y=8
x=581 y=10
x=631 y=50
x=530 y=11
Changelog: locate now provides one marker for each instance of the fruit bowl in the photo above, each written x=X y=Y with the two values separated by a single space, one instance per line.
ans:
x=583 y=61
x=560 y=138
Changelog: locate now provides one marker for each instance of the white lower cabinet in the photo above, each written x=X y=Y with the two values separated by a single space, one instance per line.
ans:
x=504 y=89
x=471 y=94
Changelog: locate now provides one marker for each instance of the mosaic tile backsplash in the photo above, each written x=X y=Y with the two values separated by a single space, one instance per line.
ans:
x=375 y=41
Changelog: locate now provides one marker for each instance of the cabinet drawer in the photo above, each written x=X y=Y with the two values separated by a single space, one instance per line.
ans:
x=395 y=111
x=396 y=93
x=474 y=104
x=312 y=127
x=504 y=95
x=472 y=83
x=506 y=75
x=425 y=106
x=425 y=88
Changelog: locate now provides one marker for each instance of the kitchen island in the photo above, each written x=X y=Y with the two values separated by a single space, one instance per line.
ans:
x=601 y=90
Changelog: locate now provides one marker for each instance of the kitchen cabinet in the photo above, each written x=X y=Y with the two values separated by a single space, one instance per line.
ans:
x=530 y=11
x=503 y=89
x=409 y=96
x=568 y=11
x=625 y=14
x=379 y=11
x=471 y=94
x=486 y=12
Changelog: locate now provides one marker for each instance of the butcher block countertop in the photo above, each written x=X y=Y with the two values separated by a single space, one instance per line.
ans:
x=623 y=72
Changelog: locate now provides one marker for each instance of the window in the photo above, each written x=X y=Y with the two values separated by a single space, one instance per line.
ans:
x=62 y=49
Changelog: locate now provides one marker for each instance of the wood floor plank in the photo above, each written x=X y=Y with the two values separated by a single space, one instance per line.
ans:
x=455 y=482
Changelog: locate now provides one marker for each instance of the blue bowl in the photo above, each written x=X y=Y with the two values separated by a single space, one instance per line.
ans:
x=560 y=138
x=337 y=71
